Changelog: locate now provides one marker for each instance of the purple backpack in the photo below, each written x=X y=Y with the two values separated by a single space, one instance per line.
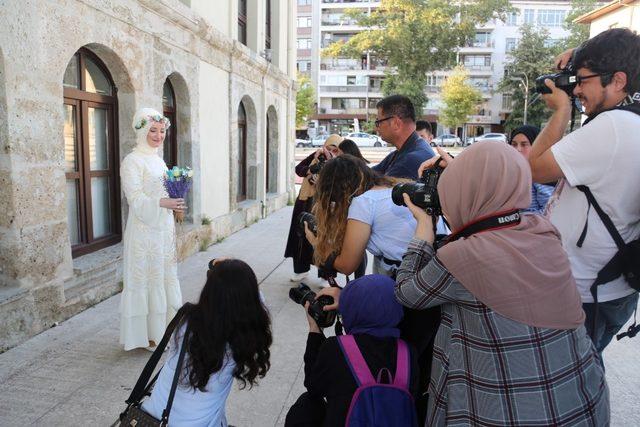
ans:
x=376 y=403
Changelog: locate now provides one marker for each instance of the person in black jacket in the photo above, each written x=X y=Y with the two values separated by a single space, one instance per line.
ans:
x=371 y=314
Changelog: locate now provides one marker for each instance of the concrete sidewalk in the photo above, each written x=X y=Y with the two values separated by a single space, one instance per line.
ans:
x=77 y=374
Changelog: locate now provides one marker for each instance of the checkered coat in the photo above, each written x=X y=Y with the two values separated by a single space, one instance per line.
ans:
x=492 y=371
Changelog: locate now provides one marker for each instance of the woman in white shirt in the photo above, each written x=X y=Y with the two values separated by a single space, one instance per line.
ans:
x=228 y=336
x=354 y=212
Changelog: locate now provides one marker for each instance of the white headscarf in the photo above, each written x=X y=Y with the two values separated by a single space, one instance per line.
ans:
x=141 y=124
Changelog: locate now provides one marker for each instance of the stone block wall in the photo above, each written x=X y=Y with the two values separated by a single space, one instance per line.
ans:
x=142 y=43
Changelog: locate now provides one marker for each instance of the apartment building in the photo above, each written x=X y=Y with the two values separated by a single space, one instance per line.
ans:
x=348 y=88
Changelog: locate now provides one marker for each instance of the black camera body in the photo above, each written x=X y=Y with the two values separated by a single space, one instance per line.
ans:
x=303 y=294
x=310 y=220
x=423 y=193
x=565 y=79
x=316 y=167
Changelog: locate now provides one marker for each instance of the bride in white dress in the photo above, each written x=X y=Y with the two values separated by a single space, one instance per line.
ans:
x=151 y=294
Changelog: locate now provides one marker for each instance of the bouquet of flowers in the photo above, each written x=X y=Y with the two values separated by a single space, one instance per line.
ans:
x=177 y=182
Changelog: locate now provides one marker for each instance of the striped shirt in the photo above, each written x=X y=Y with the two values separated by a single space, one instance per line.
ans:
x=492 y=371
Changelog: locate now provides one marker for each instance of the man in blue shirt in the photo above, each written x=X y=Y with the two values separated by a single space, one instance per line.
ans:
x=396 y=124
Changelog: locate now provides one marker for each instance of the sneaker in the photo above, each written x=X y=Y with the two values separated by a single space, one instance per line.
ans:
x=319 y=282
x=299 y=276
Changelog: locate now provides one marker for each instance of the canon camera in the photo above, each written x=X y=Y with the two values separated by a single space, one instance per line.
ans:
x=303 y=294
x=422 y=193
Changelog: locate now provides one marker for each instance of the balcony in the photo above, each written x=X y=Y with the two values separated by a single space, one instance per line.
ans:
x=344 y=89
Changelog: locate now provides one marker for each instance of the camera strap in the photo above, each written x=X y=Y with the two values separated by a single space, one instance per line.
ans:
x=487 y=223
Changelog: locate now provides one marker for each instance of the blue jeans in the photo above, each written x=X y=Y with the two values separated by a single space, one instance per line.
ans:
x=612 y=315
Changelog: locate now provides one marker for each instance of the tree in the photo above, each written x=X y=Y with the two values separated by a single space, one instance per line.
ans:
x=578 y=33
x=460 y=99
x=531 y=58
x=416 y=37
x=305 y=100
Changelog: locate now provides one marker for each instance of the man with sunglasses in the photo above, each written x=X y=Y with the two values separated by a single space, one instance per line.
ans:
x=603 y=155
x=396 y=124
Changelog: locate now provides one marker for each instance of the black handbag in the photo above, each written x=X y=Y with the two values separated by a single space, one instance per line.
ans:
x=134 y=415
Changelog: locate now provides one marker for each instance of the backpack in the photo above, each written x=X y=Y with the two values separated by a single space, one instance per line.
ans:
x=376 y=403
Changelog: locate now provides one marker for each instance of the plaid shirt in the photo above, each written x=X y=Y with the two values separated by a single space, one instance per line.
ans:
x=492 y=371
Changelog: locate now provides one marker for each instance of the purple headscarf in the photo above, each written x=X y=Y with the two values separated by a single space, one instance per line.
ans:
x=368 y=306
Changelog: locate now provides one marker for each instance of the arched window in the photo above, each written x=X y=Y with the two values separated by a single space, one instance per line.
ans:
x=90 y=107
x=242 y=154
x=170 y=146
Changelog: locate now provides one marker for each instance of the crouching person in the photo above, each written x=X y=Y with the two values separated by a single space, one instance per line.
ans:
x=371 y=353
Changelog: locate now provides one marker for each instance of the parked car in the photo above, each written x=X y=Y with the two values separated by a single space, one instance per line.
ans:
x=470 y=140
x=363 y=139
x=303 y=142
x=318 y=141
x=492 y=137
x=447 y=140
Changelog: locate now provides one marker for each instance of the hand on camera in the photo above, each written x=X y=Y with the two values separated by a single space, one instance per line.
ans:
x=557 y=99
x=313 y=326
x=311 y=238
x=332 y=292
x=428 y=164
x=563 y=59
x=177 y=205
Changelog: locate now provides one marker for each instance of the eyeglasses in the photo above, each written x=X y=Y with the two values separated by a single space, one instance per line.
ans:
x=377 y=122
x=580 y=79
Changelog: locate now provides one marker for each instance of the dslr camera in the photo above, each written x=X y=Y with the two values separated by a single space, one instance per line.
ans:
x=423 y=193
x=310 y=220
x=303 y=294
x=565 y=79
x=316 y=167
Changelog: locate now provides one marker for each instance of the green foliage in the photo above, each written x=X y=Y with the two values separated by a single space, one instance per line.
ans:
x=532 y=58
x=305 y=100
x=416 y=37
x=206 y=220
x=369 y=127
x=204 y=244
x=578 y=32
x=460 y=99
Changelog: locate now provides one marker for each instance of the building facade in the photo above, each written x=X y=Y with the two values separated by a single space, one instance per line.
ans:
x=615 y=14
x=349 y=89
x=72 y=74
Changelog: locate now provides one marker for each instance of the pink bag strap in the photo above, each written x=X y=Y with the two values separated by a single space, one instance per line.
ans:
x=401 y=378
x=356 y=362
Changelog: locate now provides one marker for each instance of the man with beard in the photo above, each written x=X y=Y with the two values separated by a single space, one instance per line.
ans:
x=603 y=158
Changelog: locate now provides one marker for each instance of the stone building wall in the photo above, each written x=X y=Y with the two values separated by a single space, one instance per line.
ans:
x=142 y=43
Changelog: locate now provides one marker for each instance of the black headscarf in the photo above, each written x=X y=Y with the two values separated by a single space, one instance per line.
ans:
x=531 y=132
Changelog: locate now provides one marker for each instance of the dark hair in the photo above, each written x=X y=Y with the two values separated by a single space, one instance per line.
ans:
x=347 y=146
x=341 y=179
x=424 y=125
x=397 y=105
x=617 y=49
x=228 y=313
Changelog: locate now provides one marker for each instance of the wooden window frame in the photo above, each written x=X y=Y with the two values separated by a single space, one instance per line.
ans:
x=242 y=21
x=82 y=101
x=171 y=113
x=267 y=32
x=242 y=170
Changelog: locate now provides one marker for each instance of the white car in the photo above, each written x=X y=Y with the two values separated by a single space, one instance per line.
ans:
x=318 y=141
x=303 y=142
x=446 y=140
x=363 y=139
x=491 y=137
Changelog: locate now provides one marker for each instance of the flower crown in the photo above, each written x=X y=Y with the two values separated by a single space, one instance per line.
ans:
x=156 y=118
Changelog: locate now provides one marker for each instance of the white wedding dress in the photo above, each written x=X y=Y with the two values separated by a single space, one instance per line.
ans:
x=151 y=294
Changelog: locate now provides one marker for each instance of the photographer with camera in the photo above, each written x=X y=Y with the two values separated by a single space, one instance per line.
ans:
x=597 y=166
x=297 y=246
x=354 y=212
x=511 y=348
x=332 y=366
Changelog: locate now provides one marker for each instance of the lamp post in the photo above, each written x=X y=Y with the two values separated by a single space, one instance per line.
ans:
x=525 y=83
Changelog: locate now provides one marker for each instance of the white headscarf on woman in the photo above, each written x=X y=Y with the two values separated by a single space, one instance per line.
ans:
x=141 y=125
